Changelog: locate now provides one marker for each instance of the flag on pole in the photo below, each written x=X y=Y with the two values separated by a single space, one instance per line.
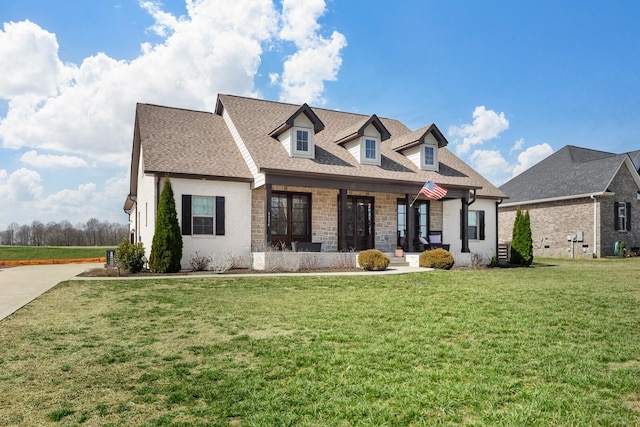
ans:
x=431 y=190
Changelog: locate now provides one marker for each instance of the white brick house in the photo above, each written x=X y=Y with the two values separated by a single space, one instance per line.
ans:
x=257 y=172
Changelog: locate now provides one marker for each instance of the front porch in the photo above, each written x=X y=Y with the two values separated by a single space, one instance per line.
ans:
x=309 y=261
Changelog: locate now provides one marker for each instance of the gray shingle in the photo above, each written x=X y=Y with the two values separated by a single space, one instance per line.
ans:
x=255 y=118
x=570 y=171
x=188 y=142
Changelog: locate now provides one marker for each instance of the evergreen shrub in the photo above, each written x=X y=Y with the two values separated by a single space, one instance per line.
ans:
x=166 y=247
x=373 y=259
x=437 y=258
x=130 y=256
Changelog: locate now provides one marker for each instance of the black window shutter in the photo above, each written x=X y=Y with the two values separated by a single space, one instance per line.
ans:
x=219 y=216
x=186 y=214
x=481 y=225
x=616 y=221
x=628 y=216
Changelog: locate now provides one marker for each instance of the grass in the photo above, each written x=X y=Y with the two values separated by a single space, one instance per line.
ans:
x=24 y=253
x=556 y=344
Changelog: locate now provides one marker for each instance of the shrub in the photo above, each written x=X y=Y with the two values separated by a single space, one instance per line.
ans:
x=521 y=240
x=373 y=259
x=199 y=262
x=437 y=258
x=129 y=256
x=166 y=247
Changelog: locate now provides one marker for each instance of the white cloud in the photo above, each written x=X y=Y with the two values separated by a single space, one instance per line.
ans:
x=491 y=164
x=517 y=146
x=487 y=124
x=531 y=156
x=33 y=159
x=88 y=110
x=23 y=185
x=85 y=112
x=317 y=60
x=30 y=63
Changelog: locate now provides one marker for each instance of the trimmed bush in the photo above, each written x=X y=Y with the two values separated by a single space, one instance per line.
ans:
x=166 y=247
x=437 y=258
x=373 y=259
x=521 y=240
x=129 y=256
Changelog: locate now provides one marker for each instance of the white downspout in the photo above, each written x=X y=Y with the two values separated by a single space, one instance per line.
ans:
x=595 y=226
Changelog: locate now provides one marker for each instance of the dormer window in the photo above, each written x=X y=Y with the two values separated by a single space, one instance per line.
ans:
x=429 y=157
x=421 y=147
x=370 y=151
x=302 y=141
x=362 y=140
x=297 y=132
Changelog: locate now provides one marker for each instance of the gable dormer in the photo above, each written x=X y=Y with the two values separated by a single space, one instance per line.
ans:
x=297 y=132
x=363 y=140
x=421 y=147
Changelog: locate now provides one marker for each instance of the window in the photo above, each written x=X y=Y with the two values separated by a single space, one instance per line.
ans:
x=202 y=215
x=302 y=140
x=290 y=218
x=429 y=156
x=370 y=152
x=622 y=212
x=476 y=225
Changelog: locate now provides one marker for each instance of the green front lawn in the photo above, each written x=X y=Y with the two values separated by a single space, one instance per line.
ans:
x=556 y=344
x=25 y=253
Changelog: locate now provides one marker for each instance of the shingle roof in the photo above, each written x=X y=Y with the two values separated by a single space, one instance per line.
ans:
x=188 y=142
x=571 y=171
x=254 y=119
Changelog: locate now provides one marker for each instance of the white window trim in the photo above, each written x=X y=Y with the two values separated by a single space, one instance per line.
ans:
x=212 y=216
x=310 y=154
x=363 y=150
x=477 y=224
x=423 y=164
x=622 y=209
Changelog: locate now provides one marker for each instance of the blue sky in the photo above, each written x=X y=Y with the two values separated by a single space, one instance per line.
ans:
x=507 y=82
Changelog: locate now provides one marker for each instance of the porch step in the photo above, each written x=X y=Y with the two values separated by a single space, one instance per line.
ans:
x=397 y=261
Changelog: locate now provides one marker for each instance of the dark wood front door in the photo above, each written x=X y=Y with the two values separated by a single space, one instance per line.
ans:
x=360 y=223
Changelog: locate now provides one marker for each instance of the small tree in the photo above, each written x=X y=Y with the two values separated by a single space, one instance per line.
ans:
x=129 y=256
x=521 y=240
x=166 y=247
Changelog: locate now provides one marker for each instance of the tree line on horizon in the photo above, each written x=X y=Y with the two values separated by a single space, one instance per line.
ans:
x=91 y=233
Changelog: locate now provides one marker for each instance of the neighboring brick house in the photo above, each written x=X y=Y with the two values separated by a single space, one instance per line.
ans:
x=255 y=172
x=581 y=202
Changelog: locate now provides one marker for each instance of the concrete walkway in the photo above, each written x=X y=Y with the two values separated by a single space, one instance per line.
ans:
x=21 y=285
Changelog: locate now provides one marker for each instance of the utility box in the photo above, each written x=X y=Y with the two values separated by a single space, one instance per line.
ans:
x=111 y=258
x=580 y=236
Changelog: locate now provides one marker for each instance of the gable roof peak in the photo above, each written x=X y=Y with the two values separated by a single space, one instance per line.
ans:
x=357 y=130
x=418 y=136
x=289 y=121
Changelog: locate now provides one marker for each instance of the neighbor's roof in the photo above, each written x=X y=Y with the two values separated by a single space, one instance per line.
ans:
x=571 y=171
x=255 y=119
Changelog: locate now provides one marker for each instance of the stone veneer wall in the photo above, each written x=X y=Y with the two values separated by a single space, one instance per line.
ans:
x=324 y=217
x=552 y=222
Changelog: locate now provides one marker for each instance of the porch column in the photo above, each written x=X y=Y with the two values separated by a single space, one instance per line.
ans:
x=411 y=223
x=464 y=224
x=342 y=221
x=267 y=214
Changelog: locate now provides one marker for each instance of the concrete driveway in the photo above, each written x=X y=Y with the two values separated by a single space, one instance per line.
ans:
x=21 y=285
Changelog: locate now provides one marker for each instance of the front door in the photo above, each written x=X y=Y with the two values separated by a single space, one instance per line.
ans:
x=360 y=223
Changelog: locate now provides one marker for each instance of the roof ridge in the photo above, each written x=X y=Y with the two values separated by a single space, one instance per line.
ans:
x=174 y=108
x=291 y=104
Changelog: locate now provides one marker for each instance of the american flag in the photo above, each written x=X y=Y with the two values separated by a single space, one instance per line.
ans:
x=431 y=190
